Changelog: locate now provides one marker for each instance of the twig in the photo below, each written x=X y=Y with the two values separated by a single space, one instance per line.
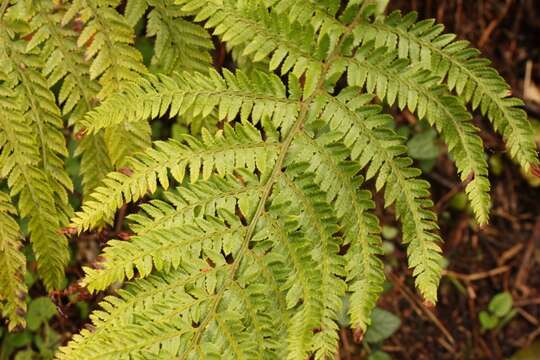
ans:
x=510 y=253
x=456 y=189
x=5 y=4
x=479 y=275
x=525 y=302
x=527 y=80
x=493 y=24
x=346 y=344
x=527 y=316
x=533 y=335
x=420 y=308
x=442 y=180
x=451 y=349
x=524 y=267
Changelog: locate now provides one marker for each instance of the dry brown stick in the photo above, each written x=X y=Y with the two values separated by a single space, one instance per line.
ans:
x=478 y=275
x=523 y=268
x=493 y=24
x=442 y=180
x=533 y=335
x=510 y=253
x=525 y=302
x=419 y=307
x=449 y=195
x=451 y=349
x=527 y=316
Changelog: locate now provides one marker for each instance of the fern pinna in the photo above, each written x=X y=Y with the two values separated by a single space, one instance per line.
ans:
x=261 y=223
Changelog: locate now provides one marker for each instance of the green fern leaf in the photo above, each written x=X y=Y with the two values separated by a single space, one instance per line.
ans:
x=230 y=149
x=259 y=95
x=78 y=93
x=464 y=72
x=393 y=80
x=12 y=266
x=361 y=228
x=108 y=42
x=180 y=45
x=381 y=151
x=268 y=227
x=33 y=150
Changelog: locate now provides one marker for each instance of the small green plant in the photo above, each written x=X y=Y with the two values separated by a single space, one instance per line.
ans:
x=383 y=325
x=500 y=310
x=255 y=219
x=38 y=340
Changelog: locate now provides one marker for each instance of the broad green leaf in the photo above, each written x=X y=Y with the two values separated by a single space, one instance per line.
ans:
x=501 y=304
x=383 y=325
x=40 y=311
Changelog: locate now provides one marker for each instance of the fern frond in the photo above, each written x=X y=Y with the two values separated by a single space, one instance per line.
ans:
x=159 y=249
x=418 y=90
x=365 y=271
x=12 y=266
x=293 y=46
x=188 y=202
x=154 y=295
x=65 y=62
x=108 y=42
x=259 y=95
x=269 y=227
x=228 y=150
x=318 y=222
x=38 y=105
x=381 y=151
x=20 y=164
x=239 y=329
x=33 y=152
x=169 y=301
x=291 y=247
x=464 y=72
x=180 y=45
x=392 y=79
x=162 y=230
